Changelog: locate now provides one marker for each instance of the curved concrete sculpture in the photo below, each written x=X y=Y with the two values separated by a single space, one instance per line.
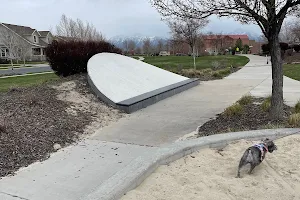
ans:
x=130 y=84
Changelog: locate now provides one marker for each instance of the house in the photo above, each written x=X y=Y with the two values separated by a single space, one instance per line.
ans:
x=215 y=44
x=36 y=40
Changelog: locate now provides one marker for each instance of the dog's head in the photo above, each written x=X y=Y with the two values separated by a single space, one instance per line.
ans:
x=270 y=145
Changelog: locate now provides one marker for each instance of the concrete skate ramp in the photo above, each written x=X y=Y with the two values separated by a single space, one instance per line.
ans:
x=129 y=84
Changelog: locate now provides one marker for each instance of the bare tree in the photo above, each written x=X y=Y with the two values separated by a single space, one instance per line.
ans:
x=160 y=45
x=295 y=29
x=24 y=49
x=125 y=44
x=131 y=45
x=10 y=41
x=269 y=15
x=147 y=47
x=138 y=50
x=77 y=30
x=187 y=30
x=177 y=45
x=286 y=33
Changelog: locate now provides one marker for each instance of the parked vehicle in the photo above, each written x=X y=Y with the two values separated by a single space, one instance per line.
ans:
x=164 y=53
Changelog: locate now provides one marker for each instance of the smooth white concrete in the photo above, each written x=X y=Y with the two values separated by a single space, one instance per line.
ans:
x=120 y=77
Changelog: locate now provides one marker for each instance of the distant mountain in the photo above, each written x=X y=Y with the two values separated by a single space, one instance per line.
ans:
x=138 y=39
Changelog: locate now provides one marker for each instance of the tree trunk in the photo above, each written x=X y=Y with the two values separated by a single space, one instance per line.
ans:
x=194 y=56
x=277 y=79
x=12 y=64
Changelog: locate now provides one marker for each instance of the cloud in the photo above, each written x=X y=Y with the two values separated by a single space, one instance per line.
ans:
x=111 y=17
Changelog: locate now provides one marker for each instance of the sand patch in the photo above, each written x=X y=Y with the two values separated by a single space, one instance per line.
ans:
x=101 y=114
x=210 y=175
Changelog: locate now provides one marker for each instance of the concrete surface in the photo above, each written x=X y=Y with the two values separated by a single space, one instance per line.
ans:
x=120 y=77
x=258 y=69
x=71 y=173
x=24 y=70
x=141 y=138
x=137 y=171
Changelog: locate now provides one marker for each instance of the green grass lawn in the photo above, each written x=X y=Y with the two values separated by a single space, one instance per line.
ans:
x=202 y=62
x=292 y=71
x=26 y=81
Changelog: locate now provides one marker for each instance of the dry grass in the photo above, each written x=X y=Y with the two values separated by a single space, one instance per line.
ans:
x=294 y=120
x=297 y=107
x=266 y=105
x=273 y=126
x=235 y=109
x=245 y=100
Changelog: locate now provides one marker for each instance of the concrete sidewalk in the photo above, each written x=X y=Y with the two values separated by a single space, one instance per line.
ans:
x=38 y=68
x=78 y=170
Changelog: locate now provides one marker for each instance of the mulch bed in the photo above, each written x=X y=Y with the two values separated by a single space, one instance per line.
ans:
x=252 y=118
x=32 y=120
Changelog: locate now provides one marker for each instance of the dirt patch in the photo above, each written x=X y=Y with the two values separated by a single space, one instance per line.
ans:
x=36 y=121
x=251 y=118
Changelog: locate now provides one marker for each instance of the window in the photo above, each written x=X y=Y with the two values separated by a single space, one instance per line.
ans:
x=34 y=38
x=3 y=53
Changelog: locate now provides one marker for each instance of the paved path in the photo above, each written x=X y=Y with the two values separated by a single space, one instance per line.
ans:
x=76 y=171
x=24 y=70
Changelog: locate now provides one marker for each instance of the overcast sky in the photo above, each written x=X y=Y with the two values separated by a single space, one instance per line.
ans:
x=111 y=17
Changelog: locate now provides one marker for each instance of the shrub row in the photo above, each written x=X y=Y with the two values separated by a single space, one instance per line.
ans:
x=71 y=57
x=283 y=46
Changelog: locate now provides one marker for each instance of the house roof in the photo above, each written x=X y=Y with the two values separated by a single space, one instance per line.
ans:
x=25 y=31
x=21 y=30
x=44 y=33
x=235 y=37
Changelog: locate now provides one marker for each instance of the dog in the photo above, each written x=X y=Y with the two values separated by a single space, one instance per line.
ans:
x=256 y=154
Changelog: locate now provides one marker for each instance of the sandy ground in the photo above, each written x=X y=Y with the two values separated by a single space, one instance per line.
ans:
x=102 y=114
x=210 y=175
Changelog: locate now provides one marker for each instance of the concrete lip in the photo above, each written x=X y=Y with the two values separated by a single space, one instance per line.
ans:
x=138 y=170
x=130 y=84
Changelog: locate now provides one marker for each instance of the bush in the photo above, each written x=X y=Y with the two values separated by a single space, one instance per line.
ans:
x=4 y=61
x=246 y=48
x=284 y=46
x=266 y=105
x=265 y=48
x=217 y=75
x=294 y=120
x=245 y=100
x=297 y=48
x=235 y=109
x=289 y=52
x=71 y=57
x=297 y=107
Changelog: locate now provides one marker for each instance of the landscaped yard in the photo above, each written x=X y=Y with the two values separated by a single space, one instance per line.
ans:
x=25 y=81
x=202 y=62
x=292 y=71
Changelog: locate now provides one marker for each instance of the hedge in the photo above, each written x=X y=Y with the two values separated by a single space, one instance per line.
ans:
x=297 y=48
x=71 y=57
x=266 y=47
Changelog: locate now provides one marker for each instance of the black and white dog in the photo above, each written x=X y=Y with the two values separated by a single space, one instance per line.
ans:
x=256 y=154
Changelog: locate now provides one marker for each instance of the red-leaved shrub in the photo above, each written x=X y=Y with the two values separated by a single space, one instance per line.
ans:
x=71 y=57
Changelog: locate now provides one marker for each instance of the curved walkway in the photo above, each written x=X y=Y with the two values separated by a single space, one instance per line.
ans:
x=80 y=170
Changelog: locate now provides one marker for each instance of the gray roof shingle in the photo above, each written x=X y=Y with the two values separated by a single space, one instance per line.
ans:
x=44 y=33
x=21 y=30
